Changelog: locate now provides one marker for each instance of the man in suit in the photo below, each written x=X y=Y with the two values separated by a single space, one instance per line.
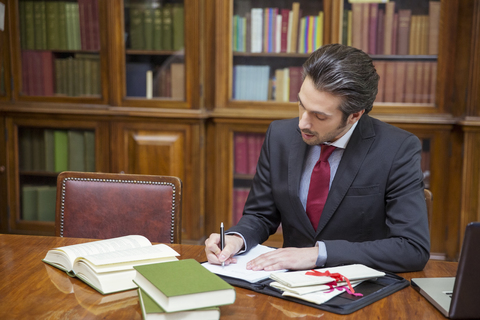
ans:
x=375 y=212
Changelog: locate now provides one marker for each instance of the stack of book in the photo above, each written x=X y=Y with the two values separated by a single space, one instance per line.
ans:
x=320 y=285
x=181 y=289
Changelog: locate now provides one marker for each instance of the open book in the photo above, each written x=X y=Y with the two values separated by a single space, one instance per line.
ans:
x=107 y=265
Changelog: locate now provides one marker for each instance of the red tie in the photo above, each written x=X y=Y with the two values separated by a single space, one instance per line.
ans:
x=319 y=183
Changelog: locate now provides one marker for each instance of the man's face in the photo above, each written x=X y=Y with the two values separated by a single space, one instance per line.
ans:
x=320 y=118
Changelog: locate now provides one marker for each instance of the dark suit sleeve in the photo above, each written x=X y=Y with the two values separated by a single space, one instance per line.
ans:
x=260 y=216
x=406 y=244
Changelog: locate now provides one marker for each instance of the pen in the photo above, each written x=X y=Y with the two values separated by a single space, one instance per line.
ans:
x=222 y=240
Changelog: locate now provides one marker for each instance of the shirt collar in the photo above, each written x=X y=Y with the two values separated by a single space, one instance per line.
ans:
x=343 y=140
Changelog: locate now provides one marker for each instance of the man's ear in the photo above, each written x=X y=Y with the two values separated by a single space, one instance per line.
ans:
x=354 y=117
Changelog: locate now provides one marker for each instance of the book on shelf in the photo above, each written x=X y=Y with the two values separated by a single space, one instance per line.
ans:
x=151 y=310
x=29 y=203
x=38 y=202
x=183 y=285
x=76 y=150
x=148 y=28
x=89 y=137
x=251 y=82
x=108 y=265
x=157 y=29
x=61 y=150
x=178 y=26
x=136 y=78
x=240 y=153
x=167 y=27
x=38 y=150
x=178 y=80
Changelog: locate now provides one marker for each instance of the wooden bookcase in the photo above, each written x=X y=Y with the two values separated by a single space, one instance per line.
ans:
x=192 y=135
x=430 y=114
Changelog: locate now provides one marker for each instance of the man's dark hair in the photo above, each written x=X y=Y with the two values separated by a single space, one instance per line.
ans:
x=344 y=72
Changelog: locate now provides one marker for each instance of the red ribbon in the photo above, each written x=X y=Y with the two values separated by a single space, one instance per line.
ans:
x=337 y=278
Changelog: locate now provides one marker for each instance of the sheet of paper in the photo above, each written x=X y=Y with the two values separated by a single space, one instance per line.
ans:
x=239 y=270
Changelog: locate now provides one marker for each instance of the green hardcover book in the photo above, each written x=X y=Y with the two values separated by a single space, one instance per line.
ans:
x=167 y=42
x=97 y=83
x=136 y=27
x=178 y=26
x=38 y=150
x=76 y=150
x=23 y=25
x=157 y=29
x=49 y=142
x=151 y=310
x=87 y=69
x=29 y=203
x=77 y=41
x=62 y=25
x=148 y=29
x=79 y=76
x=89 y=150
x=69 y=25
x=25 y=156
x=70 y=76
x=61 y=150
x=40 y=25
x=46 y=196
x=183 y=285
x=29 y=26
x=52 y=26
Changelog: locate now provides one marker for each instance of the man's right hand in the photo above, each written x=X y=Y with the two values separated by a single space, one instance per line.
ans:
x=233 y=244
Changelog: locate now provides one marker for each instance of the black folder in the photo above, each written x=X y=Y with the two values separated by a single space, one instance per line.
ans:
x=344 y=303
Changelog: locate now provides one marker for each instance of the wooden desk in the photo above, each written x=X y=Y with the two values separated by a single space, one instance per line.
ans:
x=31 y=289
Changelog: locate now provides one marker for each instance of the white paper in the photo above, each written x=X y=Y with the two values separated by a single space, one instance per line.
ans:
x=239 y=269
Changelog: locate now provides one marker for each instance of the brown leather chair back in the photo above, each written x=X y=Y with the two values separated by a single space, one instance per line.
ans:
x=107 y=205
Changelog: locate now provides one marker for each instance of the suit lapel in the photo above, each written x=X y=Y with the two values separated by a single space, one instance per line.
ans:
x=353 y=157
x=295 y=165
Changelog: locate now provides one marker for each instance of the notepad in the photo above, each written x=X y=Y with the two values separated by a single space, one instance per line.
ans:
x=239 y=270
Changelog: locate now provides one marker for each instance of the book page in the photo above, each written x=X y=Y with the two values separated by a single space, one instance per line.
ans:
x=119 y=260
x=101 y=246
x=239 y=269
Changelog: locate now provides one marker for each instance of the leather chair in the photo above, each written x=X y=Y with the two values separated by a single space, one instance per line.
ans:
x=107 y=205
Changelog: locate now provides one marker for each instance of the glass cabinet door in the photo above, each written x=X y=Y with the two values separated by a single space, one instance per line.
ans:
x=155 y=49
x=59 y=48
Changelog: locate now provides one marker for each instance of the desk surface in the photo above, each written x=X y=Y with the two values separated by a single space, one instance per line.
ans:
x=31 y=289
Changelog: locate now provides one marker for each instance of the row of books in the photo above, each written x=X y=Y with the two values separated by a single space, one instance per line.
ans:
x=165 y=81
x=400 y=81
x=277 y=30
x=159 y=28
x=383 y=30
x=247 y=146
x=55 y=150
x=38 y=202
x=406 y=81
x=59 y=25
x=45 y=75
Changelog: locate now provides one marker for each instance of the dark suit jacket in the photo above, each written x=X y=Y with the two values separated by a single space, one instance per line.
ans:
x=375 y=212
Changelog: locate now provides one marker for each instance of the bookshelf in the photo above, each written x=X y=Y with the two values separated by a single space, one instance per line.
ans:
x=193 y=135
x=58 y=52
x=416 y=91
x=42 y=149
x=4 y=58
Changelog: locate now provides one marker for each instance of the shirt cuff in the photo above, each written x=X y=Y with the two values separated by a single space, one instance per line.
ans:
x=244 y=242
x=322 y=254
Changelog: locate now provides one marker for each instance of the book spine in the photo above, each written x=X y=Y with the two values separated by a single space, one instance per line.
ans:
x=178 y=27
x=389 y=17
x=40 y=25
x=240 y=147
x=136 y=27
x=61 y=150
x=380 y=67
x=148 y=29
x=167 y=27
x=157 y=29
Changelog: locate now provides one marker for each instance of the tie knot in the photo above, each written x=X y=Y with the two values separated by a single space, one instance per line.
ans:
x=326 y=152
